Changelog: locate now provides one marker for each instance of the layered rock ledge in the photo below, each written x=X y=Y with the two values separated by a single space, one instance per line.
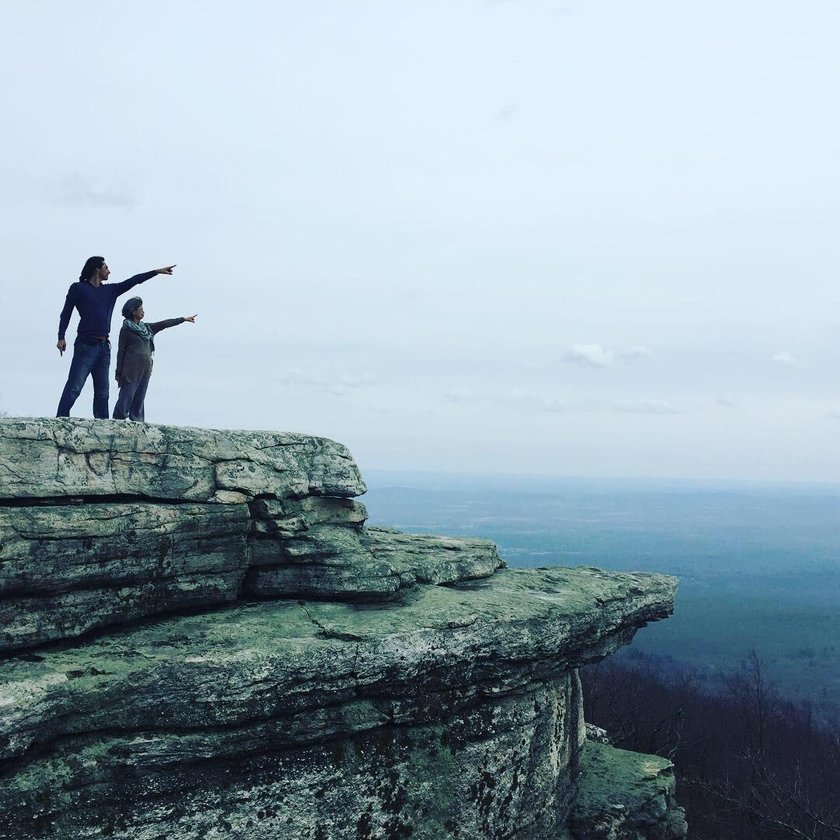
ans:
x=203 y=638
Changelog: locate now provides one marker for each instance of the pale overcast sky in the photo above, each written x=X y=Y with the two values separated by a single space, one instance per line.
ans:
x=586 y=237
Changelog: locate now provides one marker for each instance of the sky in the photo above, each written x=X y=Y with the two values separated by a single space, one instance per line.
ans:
x=582 y=238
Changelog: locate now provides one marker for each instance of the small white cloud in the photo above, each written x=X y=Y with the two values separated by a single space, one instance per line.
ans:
x=589 y=355
x=833 y=415
x=646 y=407
x=594 y=355
x=784 y=358
x=295 y=377
x=725 y=402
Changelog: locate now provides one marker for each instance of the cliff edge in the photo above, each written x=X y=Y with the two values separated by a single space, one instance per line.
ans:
x=202 y=638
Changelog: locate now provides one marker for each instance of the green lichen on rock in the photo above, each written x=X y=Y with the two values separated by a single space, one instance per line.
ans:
x=626 y=796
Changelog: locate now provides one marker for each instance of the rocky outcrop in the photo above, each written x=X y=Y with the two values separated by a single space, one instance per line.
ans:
x=43 y=459
x=625 y=795
x=204 y=639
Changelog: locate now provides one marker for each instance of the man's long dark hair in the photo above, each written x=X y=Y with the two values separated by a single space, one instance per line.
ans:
x=92 y=264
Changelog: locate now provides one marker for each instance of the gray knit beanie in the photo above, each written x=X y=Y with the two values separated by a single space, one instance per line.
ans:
x=130 y=305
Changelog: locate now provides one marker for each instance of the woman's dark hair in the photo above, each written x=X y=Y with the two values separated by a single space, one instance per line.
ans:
x=90 y=266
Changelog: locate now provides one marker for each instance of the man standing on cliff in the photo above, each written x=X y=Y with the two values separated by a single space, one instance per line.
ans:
x=92 y=350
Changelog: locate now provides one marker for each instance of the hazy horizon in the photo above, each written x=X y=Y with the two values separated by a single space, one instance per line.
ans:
x=381 y=474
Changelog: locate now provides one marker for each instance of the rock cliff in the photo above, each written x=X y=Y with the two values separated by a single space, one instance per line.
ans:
x=202 y=638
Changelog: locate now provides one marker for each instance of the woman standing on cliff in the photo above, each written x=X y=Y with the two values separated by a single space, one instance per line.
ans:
x=134 y=358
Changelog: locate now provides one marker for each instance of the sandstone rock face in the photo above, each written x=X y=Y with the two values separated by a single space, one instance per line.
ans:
x=66 y=570
x=314 y=547
x=202 y=638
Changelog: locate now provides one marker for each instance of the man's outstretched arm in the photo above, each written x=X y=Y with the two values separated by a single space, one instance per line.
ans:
x=119 y=288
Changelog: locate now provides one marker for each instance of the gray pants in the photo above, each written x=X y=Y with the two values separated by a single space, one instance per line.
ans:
x=131 y=399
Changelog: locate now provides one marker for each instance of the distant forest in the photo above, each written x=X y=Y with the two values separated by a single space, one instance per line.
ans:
x=750 y=765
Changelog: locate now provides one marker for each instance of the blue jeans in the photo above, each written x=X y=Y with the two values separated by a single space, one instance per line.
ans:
x=90 y=357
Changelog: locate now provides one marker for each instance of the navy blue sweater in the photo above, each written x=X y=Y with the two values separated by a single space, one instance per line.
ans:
x=95 y=305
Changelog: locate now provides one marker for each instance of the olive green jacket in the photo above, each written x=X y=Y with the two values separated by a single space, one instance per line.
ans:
x=134 y=354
